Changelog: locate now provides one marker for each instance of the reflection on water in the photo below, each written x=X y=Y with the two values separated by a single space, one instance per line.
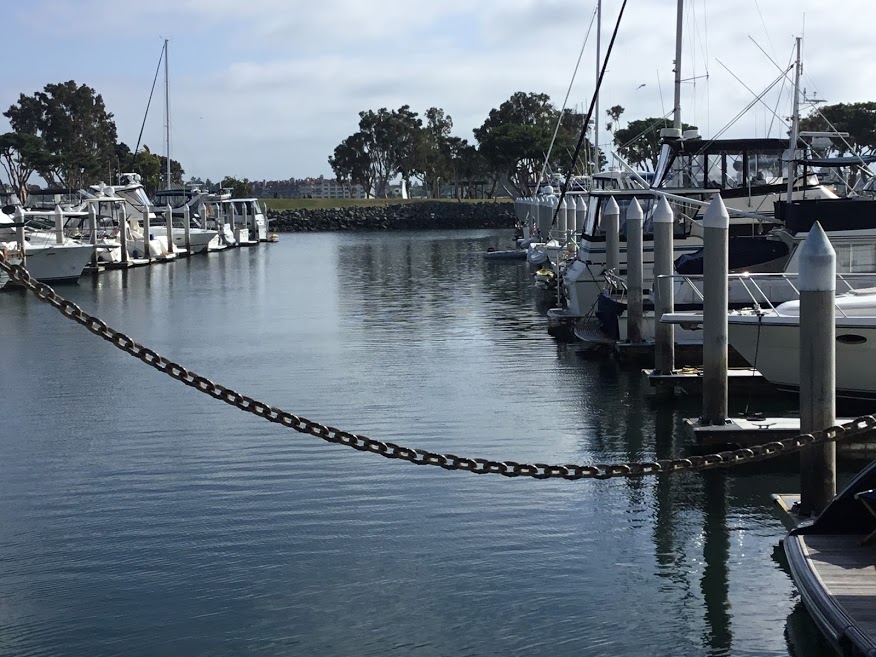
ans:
x=142 y=518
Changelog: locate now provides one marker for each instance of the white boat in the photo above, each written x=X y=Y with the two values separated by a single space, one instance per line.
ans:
x=48 y=254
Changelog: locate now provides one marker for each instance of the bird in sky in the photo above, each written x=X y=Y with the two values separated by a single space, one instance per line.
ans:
x=641 y=85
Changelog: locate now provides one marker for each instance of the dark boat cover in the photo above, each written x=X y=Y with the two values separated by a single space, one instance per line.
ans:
x=743 y=252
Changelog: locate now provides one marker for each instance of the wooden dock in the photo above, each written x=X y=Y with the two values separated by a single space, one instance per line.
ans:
x=836 y=576
x=745 y=432
x=689 y=381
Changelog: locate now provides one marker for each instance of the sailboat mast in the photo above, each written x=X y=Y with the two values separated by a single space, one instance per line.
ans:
x=166 y=118
x=679 y=26
x=795 y=126
x=596 y=106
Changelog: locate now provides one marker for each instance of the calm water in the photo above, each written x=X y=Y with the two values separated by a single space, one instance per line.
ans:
x=139 y=517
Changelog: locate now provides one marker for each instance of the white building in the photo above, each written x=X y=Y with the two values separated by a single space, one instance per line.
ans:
x=329 y=188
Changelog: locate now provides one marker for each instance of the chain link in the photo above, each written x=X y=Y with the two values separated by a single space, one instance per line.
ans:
x=856 y=427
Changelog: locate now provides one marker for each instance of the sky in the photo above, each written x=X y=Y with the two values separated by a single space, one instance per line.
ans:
x=265 y=89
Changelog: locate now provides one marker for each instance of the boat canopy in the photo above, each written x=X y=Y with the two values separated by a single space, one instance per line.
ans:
x=837 y=162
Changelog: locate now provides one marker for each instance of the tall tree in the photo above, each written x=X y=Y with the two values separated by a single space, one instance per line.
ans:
x=79 y=133
x=435 y=150
x=240 y=188
x=639 y=142
x=515 y=138
x=351 y=164
x=21 y=155
x=404 y=134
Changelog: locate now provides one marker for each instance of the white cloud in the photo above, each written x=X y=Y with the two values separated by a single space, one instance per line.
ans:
x=267 y=88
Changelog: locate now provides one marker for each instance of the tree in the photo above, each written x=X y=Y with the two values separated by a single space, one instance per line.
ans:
x=639 y=142
x=176 y=172
x=21 y=155
x=148 y=165
x=79 y=134
x=614 y=114
x=858 y=119
x=351 y=164
x=239 y=188
x=404 y=132
x=435 y=150
x=515 y=138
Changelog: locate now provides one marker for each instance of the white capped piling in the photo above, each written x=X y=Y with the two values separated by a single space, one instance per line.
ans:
x=246 y=219
x=233 y=219
x=635 y=282
x=561 y=221
x=187 y=227
x=580 y=217
x=568 y=233
x=19 y=233
x=664 y=334
x=59 y=225
x=123 y=231
x=92 y=230
x=817 y=368
x=168 y=213
x=147 y=250
x=611 y=222
x=716 y=225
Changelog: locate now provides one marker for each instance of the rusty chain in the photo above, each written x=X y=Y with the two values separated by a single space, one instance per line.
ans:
x=856 y=427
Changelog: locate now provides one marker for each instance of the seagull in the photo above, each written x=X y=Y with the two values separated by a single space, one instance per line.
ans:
x=640 y=86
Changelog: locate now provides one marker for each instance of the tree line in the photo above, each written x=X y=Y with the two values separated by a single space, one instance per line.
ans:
x=511 y=146
x=65 y=135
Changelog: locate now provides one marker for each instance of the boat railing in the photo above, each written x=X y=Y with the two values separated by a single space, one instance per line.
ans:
x=755 y=284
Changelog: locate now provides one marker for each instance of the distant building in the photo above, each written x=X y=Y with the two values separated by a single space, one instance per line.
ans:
x=320 y=187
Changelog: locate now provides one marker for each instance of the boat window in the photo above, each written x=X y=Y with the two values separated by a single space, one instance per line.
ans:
x=855 y=258
x=851 y=338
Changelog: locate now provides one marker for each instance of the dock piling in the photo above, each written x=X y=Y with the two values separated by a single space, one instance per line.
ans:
x=664 y=334
x=59 y=225
x=147 y=248
x=168 y=213
x=716 y=225
x=121 y=215
x=611 y=221
x=817 y=368
x=19 y=233
x=635 y=281
x=580 y=217
x=92 y=230
x=187 y=227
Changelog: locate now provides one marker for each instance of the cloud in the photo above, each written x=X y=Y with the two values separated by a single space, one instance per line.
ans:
x=267 y=88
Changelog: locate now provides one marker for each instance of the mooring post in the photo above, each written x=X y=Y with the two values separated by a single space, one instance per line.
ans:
x=580 y=217
x=59 y=225
x=19 y=233
x=92 y=229
x=635 y=281
x=122 y=215
x=716 y=226
x=147 y=249
x=817 y=368
x=561 y=222
x=168 y=213
x=611 y=221
x=246 y=220
x=234 y=222
x=664 y=334
x=187 y=227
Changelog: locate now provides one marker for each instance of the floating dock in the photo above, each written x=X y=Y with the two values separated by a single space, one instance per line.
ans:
x=745 y=432
x=689 y=381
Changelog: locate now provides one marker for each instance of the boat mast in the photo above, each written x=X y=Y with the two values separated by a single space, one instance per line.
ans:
x=795 y=126
x=166 y=118
x=596 y=106
x=679 y=25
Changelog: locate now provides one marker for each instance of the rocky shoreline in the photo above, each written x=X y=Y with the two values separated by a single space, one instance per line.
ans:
x=422 y=215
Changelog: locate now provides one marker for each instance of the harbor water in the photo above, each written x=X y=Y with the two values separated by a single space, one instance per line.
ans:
x=141 y=517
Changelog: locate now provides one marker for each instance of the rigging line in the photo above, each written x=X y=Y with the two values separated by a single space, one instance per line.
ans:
x=815 y=107
x=763 y=23
x=748 y=89
x=566 y=99
x=781 y=91
x=143 y=125
x=590 y=112
x=739 y=115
